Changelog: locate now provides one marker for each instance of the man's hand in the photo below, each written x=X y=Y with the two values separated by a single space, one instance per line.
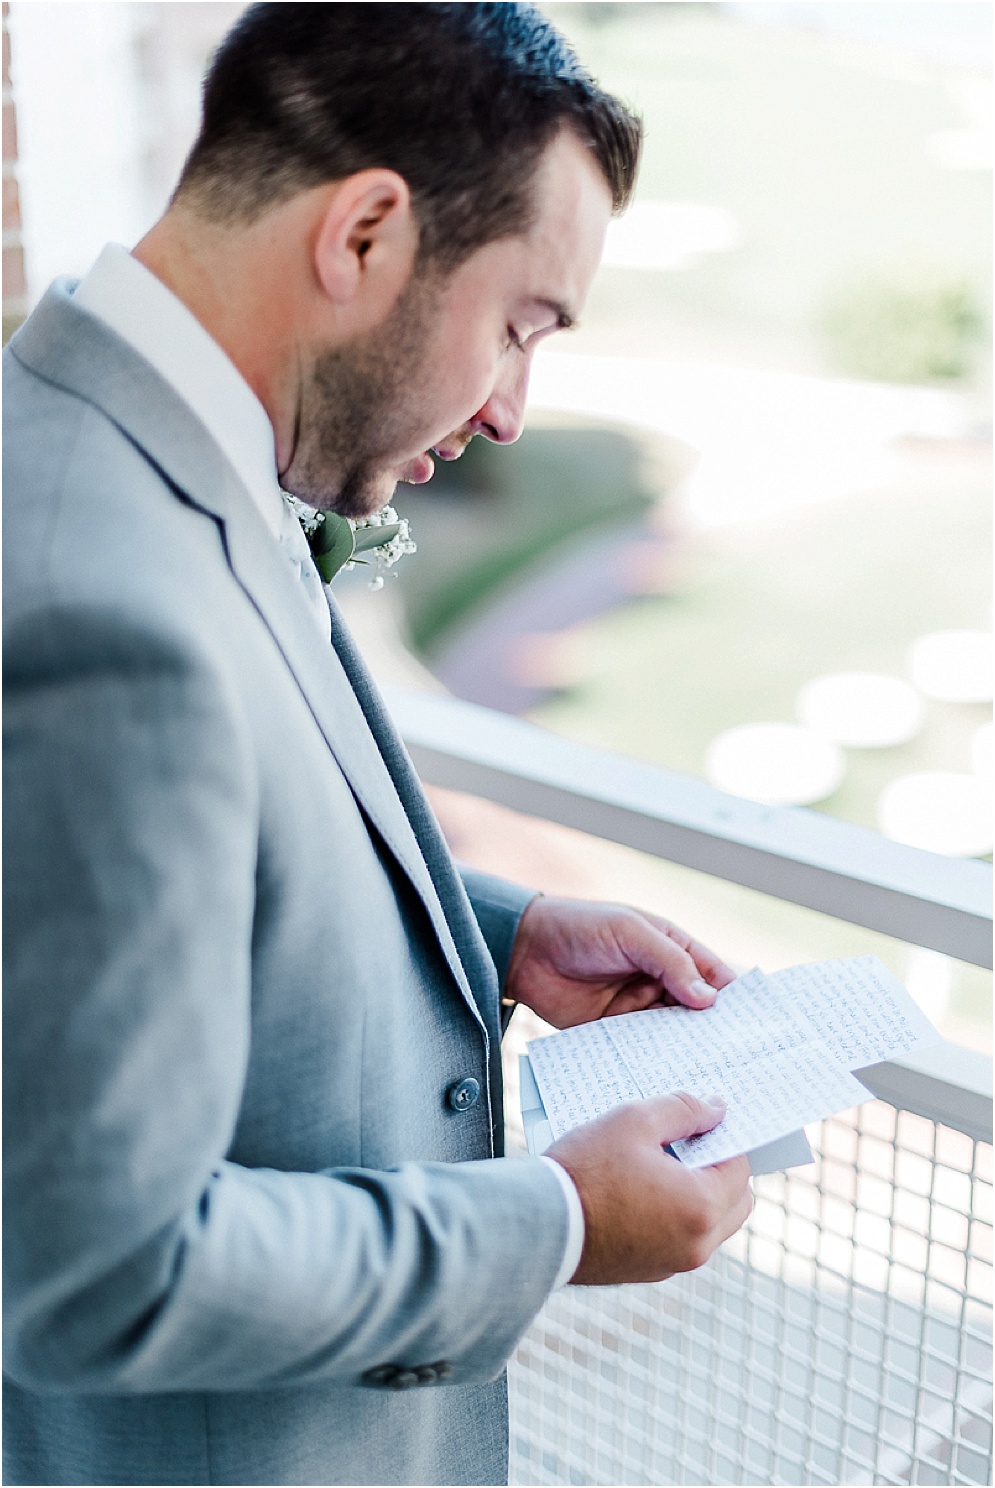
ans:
x=645 y=1215
x=574 y=961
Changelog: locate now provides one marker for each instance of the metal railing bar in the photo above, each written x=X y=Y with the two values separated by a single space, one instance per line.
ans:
x=946 y=1084
x=800 y=856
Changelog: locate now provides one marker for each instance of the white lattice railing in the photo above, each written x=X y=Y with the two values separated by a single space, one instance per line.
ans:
x=844 y=1335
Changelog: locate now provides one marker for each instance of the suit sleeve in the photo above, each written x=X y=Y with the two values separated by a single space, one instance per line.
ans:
x=498 y=907
x=138 y=1258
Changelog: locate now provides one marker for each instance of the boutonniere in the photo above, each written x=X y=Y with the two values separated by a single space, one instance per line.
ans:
x=339 y=543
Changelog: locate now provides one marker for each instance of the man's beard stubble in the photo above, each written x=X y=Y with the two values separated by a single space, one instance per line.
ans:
x=358 y=403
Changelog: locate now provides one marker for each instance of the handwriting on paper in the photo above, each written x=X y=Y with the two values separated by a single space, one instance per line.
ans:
x=779 y=1049
x=580 y=1075
x=770 y=1097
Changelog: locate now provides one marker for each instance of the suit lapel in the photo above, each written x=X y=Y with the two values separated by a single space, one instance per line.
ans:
x=459 y=922
x=434 y=851
x=331 y=695
x=74 y=350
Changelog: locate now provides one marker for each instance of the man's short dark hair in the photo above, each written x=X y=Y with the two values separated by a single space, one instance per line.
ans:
x=461 y=100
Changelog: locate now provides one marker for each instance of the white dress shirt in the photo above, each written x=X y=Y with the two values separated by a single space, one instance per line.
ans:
x=142 y=311
x=575 y=1229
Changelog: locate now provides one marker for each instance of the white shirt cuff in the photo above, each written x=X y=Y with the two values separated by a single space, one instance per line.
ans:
x=575 y=1224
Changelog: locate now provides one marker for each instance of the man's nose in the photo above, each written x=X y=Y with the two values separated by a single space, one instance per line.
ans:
x=502 y=418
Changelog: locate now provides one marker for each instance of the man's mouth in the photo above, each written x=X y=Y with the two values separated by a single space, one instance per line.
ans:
x=419 y=470
x=451 y=451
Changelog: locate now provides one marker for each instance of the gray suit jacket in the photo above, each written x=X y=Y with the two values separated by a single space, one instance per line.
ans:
x=243 y=980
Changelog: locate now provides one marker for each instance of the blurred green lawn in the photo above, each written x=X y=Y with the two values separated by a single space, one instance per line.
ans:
x=822 y=151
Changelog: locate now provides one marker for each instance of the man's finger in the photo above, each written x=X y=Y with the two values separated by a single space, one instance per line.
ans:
x=712 y=968
x=726 y=1177
x=724 y=1186
x=728 y=1184
x=659 y=955
x=685 y=1115
x=671 y=1117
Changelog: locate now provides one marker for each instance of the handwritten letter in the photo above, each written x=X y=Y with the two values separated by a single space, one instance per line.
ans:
x=580 y=1076
x=779 y=1049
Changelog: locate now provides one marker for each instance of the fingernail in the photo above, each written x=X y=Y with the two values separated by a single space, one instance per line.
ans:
x=702 y=989
x=714 y=1102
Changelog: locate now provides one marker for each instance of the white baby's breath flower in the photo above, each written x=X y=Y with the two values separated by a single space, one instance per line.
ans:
x=383 y=554
x=308 y=516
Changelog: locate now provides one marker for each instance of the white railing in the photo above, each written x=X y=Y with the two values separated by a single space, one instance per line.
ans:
x=844 y=1335
x=944 y=904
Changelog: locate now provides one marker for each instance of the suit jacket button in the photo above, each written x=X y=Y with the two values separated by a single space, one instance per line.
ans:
x=403 y=1380
x=383 y=1374
x=464 y=1094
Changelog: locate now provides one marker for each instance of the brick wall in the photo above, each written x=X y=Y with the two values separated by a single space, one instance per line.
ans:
x=14 y=284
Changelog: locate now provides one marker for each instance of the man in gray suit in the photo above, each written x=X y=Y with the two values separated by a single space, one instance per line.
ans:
x=259 y=1229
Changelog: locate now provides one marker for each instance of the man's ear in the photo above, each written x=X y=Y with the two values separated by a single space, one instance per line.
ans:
x=366 y=244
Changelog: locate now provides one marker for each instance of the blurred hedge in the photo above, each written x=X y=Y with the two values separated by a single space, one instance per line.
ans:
x=915 y=322
x=499 y=511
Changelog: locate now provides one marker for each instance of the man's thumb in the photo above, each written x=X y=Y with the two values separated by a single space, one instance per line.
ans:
x=683 y=1114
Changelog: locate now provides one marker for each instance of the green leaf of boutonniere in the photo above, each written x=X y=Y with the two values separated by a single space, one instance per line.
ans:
x=332 y=544
x=367 y=538
x=336 y=542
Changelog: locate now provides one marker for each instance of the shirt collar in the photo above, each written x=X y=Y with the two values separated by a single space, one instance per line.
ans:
x=143 y=312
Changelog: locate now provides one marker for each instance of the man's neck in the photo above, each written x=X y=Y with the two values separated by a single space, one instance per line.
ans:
x=240 y=295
